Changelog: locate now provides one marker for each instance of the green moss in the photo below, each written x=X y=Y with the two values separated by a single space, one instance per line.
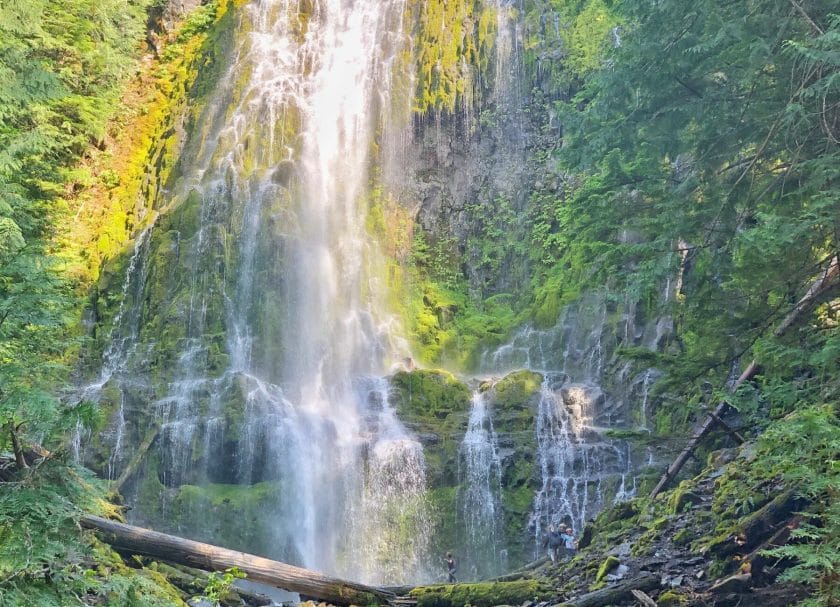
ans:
x=435 y=403
x=425 y=395
x=670 y=598
x=606 y=567
x=622 y=511
x=232 y=515
x=517 y=388
x=683 y=537
x=446 y=518
x=486 y=594
x=681 y=497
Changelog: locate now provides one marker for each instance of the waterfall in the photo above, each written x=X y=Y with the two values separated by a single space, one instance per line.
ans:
x=580 y=469
x=394 y=491
x=481 y=479
x=121 y=347
x=282 y=337
x=574 y=463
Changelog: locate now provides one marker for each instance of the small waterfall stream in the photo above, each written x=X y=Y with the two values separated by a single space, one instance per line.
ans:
x=122 y=345
x=574 y=461
x=480 y=502
x=580 y=469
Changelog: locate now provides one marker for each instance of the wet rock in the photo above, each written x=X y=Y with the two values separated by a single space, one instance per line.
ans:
x=622 y=511
x=620 y=572
x=586 y=536
x=721 y=457
x=428 y=438
x=622 y=550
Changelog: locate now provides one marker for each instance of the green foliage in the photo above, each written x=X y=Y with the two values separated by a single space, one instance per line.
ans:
x=63 y=68
x=447 y=323
x=62 y=64
x=220 y=584
x=45 y=560
x=804 y=449
x=703 y=149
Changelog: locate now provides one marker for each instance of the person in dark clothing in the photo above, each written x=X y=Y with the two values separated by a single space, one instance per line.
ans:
x=451 y=567
x=554 y=542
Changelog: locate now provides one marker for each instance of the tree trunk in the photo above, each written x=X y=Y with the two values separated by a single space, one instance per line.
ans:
x=757 y=526
x=826 y=282
x=616 y=593
x=311 y=584
x=20 y=460
x=138 y=458
x=700 y=433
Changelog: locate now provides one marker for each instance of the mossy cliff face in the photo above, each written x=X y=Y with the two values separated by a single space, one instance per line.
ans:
x=514 y=402
x=166 y=289
x=452 y=224
x=436 y=406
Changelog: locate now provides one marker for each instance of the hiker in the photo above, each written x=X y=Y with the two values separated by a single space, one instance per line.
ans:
x=554 y=542
x=568 y=537
x=451 y=568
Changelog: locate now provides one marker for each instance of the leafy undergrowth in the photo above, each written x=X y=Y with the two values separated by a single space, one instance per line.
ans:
x=761 y=524
x=47 y=560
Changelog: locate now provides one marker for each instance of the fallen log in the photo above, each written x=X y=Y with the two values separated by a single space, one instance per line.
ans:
x=615 y=593
x=700 y=433
x=138 y=458
x=826 y=282
x=756 y=527
x=137 y=540
x=758 y=561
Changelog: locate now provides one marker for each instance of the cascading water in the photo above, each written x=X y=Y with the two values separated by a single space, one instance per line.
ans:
x=266 y=337
x=574 y=461
x=580 y=470
x=121 y=347
x=277 y=387
x=481 y=474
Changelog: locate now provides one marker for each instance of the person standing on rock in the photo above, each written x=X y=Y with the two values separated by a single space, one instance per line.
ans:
x=451 y=568
x=568 y=537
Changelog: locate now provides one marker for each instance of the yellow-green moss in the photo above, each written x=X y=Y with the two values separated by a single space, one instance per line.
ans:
x=670 y=598
x=485 y=594
x=606 y=567
x=144 y=139
x=516 y=388
x=453 y=44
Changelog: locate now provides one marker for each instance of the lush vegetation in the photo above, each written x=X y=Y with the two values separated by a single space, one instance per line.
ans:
x=62 y=65
x=699 y=150
x=65 y=208
x=704 y=145
x=698 y=153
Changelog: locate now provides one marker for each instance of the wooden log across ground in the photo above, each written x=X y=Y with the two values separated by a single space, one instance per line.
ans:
x=615 y=593
x=138 y=540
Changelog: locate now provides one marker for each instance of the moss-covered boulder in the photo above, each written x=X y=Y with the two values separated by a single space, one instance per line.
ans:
x=436 y=406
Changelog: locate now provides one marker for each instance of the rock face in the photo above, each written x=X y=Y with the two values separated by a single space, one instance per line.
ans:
x=242 y=344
